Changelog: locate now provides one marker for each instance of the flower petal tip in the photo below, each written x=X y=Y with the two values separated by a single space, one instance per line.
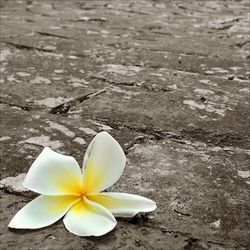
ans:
x=95 y=234
x=13 y=224
x=154 y=206
x=150 y=208
x=10 y=225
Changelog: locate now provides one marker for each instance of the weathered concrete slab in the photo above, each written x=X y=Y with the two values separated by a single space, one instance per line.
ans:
x=168 y=79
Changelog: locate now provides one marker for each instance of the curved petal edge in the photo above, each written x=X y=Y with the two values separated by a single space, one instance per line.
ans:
x=87 y=218
x=123 y=204
x=54 y=174
x=103 y=164
x=42 y=211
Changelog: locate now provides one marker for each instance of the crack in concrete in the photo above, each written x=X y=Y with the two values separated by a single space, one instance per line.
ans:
x=27 y=47
x=183 y=137
x=42 y=33
x=161 y=33
x=155 y=134
x=102 y=20
x=137 y=140
x=66 y=106
x=242 y=44
x=224 y=27
x=23 y=107
x=187 y=53
x=193 y=243
x=130 y=11
x=181 y=213
x=132 y=84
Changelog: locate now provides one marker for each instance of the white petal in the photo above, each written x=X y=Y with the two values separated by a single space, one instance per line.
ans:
x=103 y=163
x=54 y=174
x=43 y=211
x=86 y=218
x=122 y=204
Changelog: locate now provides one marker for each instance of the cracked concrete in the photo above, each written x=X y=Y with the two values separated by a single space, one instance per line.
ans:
x=168 y=79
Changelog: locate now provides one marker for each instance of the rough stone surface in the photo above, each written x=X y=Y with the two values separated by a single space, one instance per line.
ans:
x=168 y=79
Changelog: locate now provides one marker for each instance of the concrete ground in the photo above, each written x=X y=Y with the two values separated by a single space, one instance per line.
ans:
x=168 y=79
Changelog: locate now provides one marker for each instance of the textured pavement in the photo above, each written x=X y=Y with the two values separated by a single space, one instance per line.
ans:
x=168 y=79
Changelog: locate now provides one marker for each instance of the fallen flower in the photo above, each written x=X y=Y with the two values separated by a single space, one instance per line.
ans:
x=66 y=190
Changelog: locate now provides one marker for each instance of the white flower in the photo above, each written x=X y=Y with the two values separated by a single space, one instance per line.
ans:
x=66 y=190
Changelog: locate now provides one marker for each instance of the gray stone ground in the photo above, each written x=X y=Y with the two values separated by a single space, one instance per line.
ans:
x=168 y=79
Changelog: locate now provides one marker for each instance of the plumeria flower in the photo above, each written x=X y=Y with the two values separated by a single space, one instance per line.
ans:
x=77 y=195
